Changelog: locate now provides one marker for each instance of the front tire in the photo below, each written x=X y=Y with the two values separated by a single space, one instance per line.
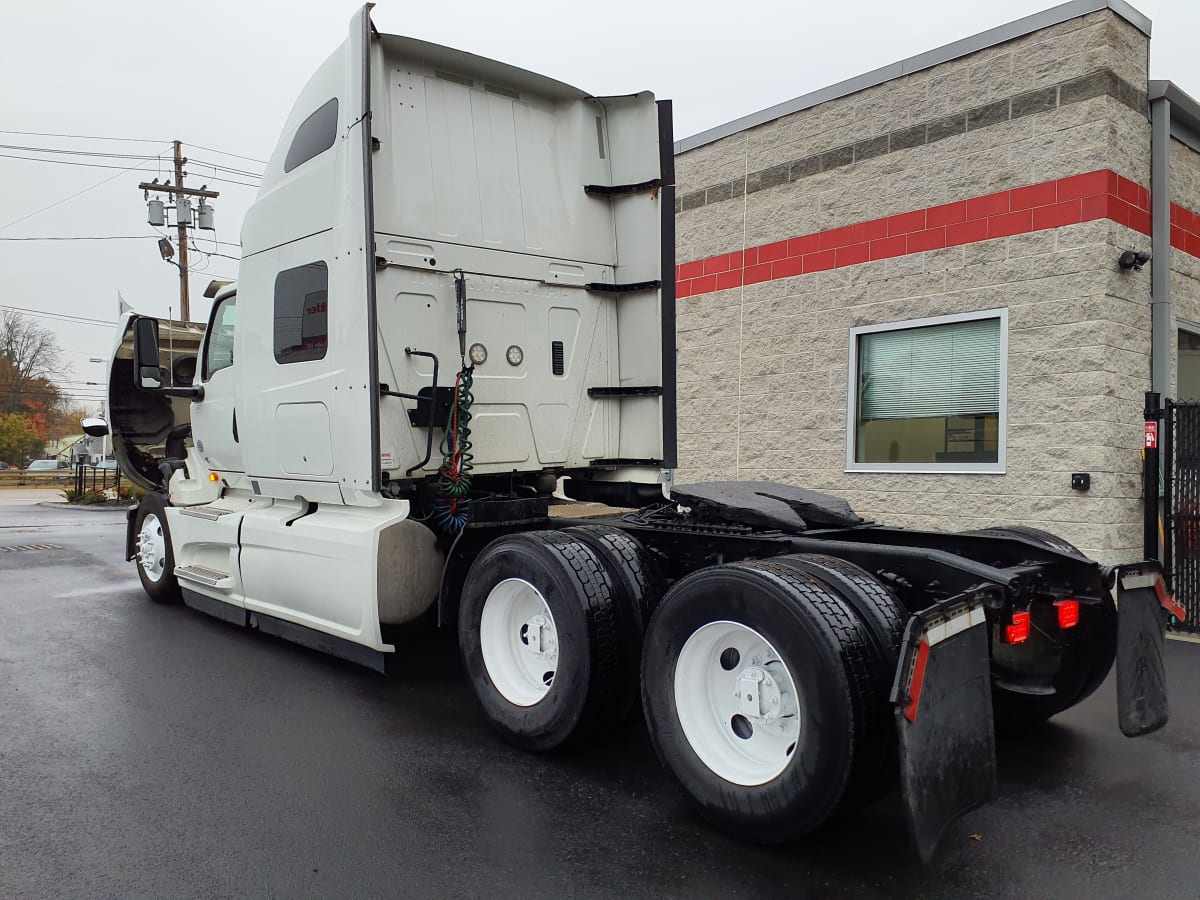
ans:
x=155 y=559
x=757 y=686
x=540 y=639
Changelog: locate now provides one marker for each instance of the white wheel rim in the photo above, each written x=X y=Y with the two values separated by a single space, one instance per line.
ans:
x=519 y=641
x=737 y=703
x=152 y=547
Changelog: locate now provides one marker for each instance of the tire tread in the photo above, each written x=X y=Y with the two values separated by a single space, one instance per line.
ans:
x=604 y=688
x=883 y=619
x=853 y=645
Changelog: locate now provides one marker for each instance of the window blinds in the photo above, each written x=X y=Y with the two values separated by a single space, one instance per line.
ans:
x=938 y=370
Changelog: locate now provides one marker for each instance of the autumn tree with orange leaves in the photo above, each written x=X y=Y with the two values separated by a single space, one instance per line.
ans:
x=30 y=360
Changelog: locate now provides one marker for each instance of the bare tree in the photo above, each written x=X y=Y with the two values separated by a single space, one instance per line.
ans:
x=32 y=355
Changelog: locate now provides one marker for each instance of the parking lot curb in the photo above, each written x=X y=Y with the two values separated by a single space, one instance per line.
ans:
x=91 y=507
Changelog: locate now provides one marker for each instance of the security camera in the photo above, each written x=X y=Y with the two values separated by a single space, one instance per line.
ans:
x=1133 y=259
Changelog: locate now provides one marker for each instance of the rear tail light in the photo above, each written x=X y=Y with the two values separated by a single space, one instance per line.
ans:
x=1018 y=631
x=1068 y=613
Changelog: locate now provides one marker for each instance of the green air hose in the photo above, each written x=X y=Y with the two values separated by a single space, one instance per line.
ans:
x=454 y=476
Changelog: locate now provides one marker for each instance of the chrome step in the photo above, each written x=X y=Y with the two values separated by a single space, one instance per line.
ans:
x=204 y=575
x=211 y=513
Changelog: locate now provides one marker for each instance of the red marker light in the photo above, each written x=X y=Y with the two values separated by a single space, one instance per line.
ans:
x=1068 y=613
x=1018 y=631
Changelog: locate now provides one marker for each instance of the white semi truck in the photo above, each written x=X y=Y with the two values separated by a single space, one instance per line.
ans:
x=455 y=302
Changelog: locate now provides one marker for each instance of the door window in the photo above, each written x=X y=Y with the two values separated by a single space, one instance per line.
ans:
x=218 y=352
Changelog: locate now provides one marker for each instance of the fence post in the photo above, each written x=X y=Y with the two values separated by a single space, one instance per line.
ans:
x=1153 y=413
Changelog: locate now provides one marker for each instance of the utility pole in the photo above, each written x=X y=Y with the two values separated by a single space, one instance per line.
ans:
x=183 y=220
x=183 y=264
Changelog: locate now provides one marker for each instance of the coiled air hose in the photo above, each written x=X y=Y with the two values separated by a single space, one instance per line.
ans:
x=451 y=508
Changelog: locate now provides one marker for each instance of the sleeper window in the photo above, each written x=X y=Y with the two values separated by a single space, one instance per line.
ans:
x=301 y=313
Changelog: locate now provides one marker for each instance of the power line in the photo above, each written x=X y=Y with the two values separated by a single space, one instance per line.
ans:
x=102 y=155
x=209 y=164
x=70 y=162
x=46 y=392
x=90 y=137
x=261 y=162
x=96 y=137
x=114 y=237
x=231 y=181
x=222 y=255
x=94 y=237
x=53 y=315
x=97 y=153
x=100 y=183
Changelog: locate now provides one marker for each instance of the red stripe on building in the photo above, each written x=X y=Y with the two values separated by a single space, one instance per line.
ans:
x=1102 y=194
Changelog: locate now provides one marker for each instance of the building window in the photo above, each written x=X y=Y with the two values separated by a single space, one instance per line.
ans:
x=1187 y=380
x=928 y=395
x=302 y=313
x=315 y=135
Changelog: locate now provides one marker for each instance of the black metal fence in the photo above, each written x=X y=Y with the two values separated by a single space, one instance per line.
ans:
x=1181 y=508
x=95 y=478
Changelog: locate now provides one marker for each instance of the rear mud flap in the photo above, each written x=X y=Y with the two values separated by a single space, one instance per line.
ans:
x=1141 y=630
x=943 y=698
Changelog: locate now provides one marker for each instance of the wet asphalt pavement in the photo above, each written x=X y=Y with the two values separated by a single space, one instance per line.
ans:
x=152 y=751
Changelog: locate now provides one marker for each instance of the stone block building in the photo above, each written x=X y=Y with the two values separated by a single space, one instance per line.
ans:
x=905 y=289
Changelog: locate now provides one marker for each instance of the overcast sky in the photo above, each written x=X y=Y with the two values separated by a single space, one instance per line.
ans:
x=223 y=75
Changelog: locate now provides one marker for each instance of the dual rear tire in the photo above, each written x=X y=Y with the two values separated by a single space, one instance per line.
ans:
x=764 y=684
x=765 y=692
x=550 y=631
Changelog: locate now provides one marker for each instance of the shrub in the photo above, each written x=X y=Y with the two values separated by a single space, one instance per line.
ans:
x=131 y=492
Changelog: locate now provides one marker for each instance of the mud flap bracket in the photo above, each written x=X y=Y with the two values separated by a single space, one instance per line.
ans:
x=943 y=699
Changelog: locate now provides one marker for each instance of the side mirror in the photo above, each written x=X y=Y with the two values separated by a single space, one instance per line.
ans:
x=145 y=354
x=94 y=427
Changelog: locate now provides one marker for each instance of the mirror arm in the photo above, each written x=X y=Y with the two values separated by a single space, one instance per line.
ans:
x=194 y=393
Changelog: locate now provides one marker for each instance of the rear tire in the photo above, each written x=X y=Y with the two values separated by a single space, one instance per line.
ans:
x=639 y=587
x=704 y=726
x=875 y=769
x=1087 y=658
x=1086 y=661
x=540 y=640
x=152 y=545
x=1036 y=535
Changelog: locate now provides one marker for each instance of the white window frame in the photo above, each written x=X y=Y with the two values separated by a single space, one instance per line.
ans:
x=1192 y=328
x=996 y=468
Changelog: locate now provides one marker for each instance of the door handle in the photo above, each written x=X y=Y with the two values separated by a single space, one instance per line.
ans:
x=235 y=434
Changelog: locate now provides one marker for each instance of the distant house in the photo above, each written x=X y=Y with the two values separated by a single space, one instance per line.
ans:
x=72 y=448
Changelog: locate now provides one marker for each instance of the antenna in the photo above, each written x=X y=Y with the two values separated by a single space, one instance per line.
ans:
x=171 y=344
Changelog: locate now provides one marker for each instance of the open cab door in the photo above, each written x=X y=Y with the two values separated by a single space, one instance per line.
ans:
x=145 y=425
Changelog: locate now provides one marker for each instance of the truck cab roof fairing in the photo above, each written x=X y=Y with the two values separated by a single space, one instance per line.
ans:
x=276 y=217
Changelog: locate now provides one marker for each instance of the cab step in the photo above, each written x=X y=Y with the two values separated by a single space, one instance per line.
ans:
x=204 y=575
x=212 y=513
